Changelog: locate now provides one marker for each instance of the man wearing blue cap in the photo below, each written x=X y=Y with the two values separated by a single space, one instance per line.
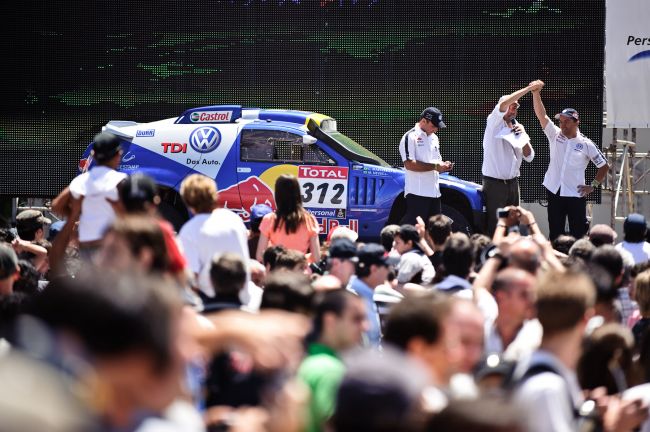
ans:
x=570 y=153
x=420 y=151
x=635 y=229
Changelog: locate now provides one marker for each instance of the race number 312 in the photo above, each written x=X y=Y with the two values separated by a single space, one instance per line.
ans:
x=324 y=187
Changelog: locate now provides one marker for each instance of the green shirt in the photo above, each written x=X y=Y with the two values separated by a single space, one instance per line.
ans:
x=322 y=372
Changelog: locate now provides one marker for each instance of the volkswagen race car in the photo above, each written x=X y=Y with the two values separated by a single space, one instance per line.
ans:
x=246 y=149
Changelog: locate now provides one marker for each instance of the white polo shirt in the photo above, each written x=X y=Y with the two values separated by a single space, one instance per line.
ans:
x=416 y=145
x=96 y=187
x=500 y=159
x=568 y=160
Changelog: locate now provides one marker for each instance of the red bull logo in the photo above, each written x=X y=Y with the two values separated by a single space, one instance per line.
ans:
x=242 y=196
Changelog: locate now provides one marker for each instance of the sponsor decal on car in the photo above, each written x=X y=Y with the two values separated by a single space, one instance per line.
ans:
x=174 y=147
x=324 y=187
x=145 y=133
x=210 y=116
x=205 y=139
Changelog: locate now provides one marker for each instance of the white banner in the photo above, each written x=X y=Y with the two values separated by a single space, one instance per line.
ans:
x=627 y=64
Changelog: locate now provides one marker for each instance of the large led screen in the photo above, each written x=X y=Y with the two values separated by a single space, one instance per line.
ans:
x=70 y=67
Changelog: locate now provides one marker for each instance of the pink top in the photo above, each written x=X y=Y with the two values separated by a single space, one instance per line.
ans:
x=298 y=240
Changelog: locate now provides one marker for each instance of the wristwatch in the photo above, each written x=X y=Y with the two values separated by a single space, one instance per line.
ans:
x=595 y=183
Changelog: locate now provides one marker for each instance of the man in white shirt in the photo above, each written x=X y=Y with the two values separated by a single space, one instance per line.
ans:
x=505 y=145
x=420 y=151
x=514 y=332
x=93 y=195
x=570 y=153
x=211 y=230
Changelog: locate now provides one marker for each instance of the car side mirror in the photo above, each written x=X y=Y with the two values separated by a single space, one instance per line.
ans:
x=308 y=140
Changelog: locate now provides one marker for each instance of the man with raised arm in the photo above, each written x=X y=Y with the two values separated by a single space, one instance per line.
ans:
x=505 y=145
x=570 y=153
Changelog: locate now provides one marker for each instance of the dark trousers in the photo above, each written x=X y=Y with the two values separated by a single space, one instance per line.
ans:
x=560 y=208
x=424 y=207
x=498 y=194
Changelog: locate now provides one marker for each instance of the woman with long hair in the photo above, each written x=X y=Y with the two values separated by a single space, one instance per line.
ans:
x=290 y=225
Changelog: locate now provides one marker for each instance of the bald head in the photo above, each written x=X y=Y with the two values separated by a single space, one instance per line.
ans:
x=514 y=292
x=326 y=283
x=525 y=254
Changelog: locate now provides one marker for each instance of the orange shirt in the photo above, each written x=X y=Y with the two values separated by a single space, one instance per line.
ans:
x=298 y=240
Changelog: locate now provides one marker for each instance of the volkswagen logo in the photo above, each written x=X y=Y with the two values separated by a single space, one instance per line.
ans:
x=205 y=139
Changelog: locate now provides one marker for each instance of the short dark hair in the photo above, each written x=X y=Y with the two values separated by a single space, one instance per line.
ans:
x=227 y=274
x=289 y=259
x=289 y=291
x=332 y=301
x=563 y=243
x=439 y=228
x=458 y=255
x=113 y=314
x=387 y=236
x=271 y=255
x=609 y=258
x=417 y=316
x=141 y=232
x=28 y=233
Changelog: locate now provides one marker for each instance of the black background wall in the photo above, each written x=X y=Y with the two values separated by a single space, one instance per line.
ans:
x=69 y=67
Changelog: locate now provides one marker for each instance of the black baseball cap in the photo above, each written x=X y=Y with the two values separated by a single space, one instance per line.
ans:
x=105 y=146
x=343 y=248
x=568 y=112
x=372 y=253
x=136 y=190
x=434 y=115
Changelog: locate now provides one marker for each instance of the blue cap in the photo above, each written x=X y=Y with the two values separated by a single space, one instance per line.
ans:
x=635 y=221
x=258 y=211
x=568 y=112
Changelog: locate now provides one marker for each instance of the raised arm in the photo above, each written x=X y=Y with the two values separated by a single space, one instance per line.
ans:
x=513 y=97
x=538 y=105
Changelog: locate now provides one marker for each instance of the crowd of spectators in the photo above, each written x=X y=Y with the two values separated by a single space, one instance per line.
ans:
x=111 y=321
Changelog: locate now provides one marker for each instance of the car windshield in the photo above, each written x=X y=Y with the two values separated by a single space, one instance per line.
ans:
x=355 y=147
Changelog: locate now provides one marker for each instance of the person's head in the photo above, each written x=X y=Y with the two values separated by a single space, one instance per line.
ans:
x=258 y=211
x=387 y=236
x=30 y=225
x=565 y=302
x=635 y=228
x=372 y=266
x=340 y=319
x=270 y=256
x=288 y=203
x=642 y=293
x=199 y=193
x=480 y=242
x=511 y=112
x=8 y=269
x=514 y=292
x=582 y=248
x=469 y=322
x=601 y=234
x=139 y=194
x=107 y=150
x=526 y=255
x=228 y=275
x=569 y=120
x=126 y=327
x=406 y=239
x=288 y=291
x=342 y=259
x=439 y=229
x=609 y=258
x=420 y=326
x=342 y=232
x=134 y=243
x=376 y=393
x=27 y=281
x=607 y=350
x=458 y=255
x=563 y=243
x=431 y=120
x=291 y=260
x=326 y=282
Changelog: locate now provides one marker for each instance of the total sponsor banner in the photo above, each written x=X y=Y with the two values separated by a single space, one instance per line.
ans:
x=324 y=187
x=627 y=63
